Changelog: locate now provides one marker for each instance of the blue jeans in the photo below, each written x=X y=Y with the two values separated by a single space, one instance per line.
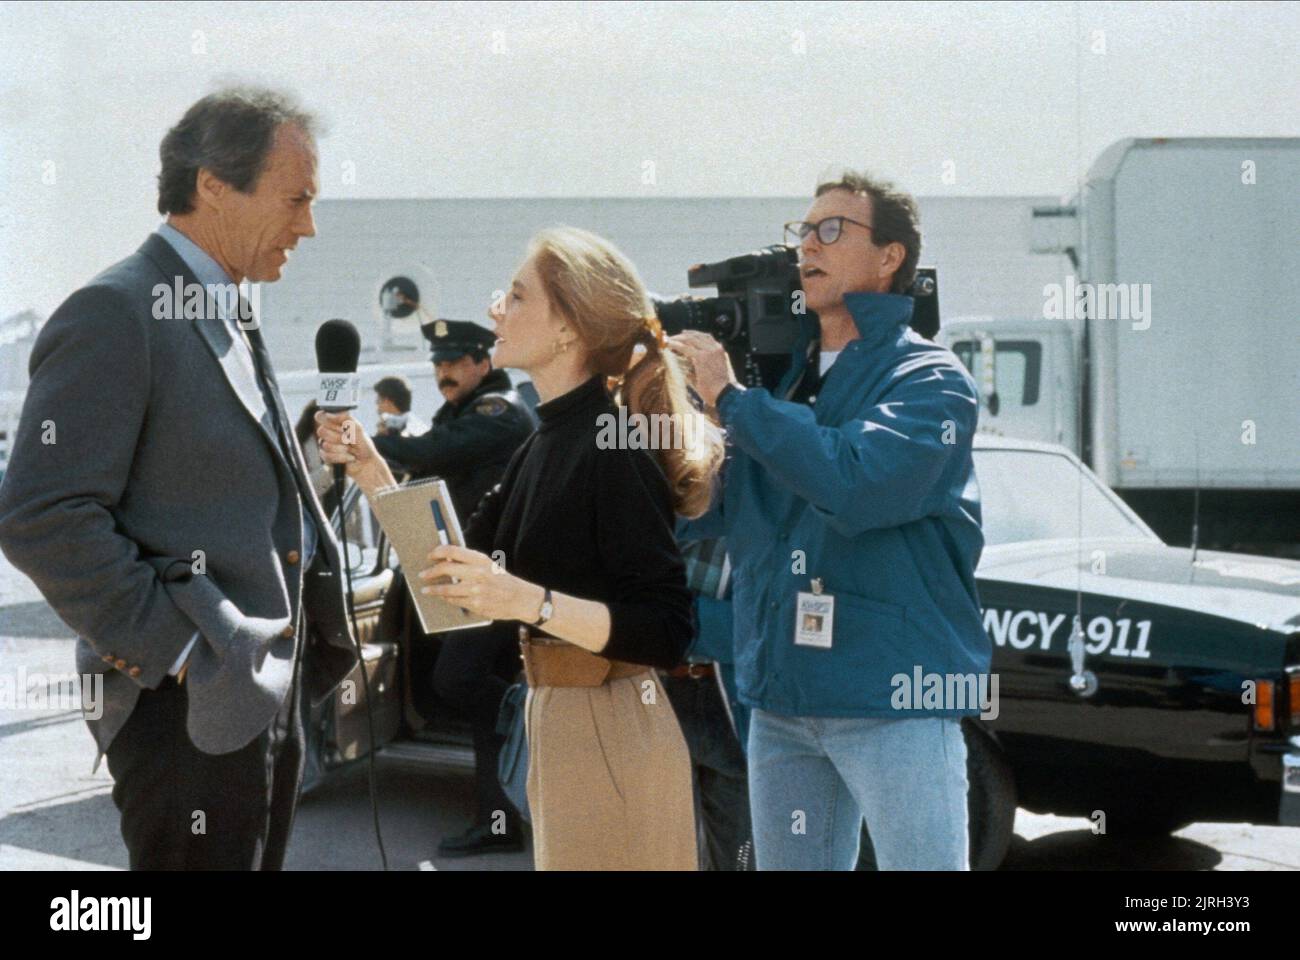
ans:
x=812 y=780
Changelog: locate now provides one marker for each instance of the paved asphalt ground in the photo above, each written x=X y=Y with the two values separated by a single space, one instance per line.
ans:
x=55 y=814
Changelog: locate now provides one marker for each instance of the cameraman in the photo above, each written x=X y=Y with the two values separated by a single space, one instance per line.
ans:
x=853 y=521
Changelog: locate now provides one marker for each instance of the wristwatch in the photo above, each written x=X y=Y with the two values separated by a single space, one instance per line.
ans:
x=548 y=609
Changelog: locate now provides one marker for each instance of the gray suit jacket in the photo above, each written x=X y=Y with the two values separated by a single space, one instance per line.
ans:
x=142 y=441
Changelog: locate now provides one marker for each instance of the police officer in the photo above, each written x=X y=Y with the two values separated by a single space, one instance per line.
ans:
x=477 y=430
x=473 y=436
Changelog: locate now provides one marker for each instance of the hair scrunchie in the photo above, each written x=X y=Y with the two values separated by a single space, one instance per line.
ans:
x=653 y=331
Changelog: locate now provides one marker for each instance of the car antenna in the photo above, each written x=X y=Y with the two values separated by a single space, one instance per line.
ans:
x=1196 y=496
x=1082 y=682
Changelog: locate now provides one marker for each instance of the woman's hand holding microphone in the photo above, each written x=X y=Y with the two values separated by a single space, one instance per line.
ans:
x=342 y=439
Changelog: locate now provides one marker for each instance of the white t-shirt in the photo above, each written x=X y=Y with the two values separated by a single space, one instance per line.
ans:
x=827 y=358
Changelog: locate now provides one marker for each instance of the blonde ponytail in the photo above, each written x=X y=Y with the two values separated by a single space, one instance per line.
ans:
x=655 y=385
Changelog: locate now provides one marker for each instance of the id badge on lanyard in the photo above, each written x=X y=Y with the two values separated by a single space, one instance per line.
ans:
x=814 y=617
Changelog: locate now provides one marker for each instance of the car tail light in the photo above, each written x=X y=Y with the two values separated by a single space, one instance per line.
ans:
x=1264 y=705
x=1293 y=698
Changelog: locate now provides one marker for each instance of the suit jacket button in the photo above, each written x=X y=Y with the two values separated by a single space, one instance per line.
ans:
x=119 y=664
x=292 y=557
x=287 y=631
x=107 y=658
x=133 y=672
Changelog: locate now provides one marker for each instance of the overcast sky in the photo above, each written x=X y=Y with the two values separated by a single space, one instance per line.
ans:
x=620 y=99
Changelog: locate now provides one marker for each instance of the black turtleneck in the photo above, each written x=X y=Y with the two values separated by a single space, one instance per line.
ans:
x=592 y=523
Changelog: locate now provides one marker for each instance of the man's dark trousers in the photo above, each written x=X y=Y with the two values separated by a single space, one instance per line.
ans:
x=182 y=809
x=718 y=770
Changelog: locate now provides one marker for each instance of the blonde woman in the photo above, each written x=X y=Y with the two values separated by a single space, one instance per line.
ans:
x=592 y=580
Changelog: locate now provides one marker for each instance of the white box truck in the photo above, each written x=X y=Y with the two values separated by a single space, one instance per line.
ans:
x=1169 y=356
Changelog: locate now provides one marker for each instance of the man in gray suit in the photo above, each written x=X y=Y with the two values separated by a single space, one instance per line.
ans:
x=158 y=498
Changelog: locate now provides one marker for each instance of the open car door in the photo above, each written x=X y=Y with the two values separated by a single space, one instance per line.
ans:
x=337 y=731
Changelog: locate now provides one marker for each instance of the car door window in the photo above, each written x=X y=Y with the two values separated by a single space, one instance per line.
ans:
x=363 y=533
x=1018 y=367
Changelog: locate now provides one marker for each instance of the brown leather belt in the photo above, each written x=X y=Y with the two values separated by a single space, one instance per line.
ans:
x=693 y=671
x=555 y=663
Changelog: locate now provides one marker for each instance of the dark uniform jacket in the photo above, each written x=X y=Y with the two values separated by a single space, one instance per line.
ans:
x=469 y=444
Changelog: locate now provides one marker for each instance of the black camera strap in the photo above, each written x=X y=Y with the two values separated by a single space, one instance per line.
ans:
x=806 y=383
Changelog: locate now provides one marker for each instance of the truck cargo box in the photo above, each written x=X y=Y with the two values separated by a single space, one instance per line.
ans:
x=1196 y=355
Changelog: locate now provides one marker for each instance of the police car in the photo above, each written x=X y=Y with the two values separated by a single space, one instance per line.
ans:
x=1140 y=685
x=1137 y=684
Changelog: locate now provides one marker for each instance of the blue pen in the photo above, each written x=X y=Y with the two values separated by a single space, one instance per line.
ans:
x=443 y=536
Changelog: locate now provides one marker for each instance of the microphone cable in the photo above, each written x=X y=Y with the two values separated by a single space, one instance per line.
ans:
x=361 y=663
x=338 y=345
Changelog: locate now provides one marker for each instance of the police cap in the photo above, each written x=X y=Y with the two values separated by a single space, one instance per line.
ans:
x=452 y=339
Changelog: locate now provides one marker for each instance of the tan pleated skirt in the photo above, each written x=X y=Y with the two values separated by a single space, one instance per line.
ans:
x=609 y=778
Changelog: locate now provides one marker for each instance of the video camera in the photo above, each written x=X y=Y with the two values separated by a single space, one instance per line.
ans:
x=753 y=315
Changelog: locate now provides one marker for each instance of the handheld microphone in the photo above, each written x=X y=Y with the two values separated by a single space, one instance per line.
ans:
x=337 y=347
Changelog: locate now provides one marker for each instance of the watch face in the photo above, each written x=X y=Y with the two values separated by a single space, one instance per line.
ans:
x=547 y=609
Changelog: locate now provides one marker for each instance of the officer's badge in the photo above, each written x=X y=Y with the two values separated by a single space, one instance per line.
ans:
x=440 y=328
x=491 y=406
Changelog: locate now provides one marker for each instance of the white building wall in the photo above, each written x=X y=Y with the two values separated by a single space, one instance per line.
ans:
x=462 y=251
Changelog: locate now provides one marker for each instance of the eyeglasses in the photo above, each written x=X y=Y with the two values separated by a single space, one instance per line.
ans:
x=828 y=230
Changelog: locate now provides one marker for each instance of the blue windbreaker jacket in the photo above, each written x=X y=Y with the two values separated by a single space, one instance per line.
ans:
x=872 y=489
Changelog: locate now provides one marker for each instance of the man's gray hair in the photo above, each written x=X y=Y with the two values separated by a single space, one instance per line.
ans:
x=230 y=132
